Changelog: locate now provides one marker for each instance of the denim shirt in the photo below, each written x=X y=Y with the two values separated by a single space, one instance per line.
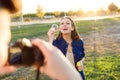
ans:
x=77 y=48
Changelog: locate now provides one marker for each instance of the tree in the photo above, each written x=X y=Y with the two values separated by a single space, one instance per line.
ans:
x=101 y=12
x=39 y=12
x=79 y=12
x=17 y=17
x=119 y=10
x=31 y=15
x=70 y=13
x=112 y=8
x=57 y=13
x=90 y=13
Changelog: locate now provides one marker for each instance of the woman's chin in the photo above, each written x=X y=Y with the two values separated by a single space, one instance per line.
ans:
x=65 y=32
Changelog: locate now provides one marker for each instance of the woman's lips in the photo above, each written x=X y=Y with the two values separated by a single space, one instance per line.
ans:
x=64 y=29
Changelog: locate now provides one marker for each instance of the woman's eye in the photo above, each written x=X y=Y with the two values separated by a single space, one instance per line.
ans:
x=62 y=23
x=68 y=23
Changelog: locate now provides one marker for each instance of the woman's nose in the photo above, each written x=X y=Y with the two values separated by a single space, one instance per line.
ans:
x=64 y=25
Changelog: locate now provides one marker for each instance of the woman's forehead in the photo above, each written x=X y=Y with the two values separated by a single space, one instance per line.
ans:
x=65 y=20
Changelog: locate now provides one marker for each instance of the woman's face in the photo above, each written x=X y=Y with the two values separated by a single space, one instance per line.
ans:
x=66 y=26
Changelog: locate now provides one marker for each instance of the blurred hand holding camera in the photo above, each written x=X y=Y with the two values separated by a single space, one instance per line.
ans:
x=23 y=53
x=55 y=63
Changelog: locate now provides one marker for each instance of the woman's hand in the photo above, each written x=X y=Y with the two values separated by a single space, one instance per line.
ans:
x=51 y=34
x=79 y=65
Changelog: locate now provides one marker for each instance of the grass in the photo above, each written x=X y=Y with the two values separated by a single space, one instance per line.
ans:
x=103 y=68
x=40 y=30
x=29 y=31
x=97 y=67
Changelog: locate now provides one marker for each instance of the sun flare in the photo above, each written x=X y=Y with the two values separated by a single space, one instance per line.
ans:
x=66 y=5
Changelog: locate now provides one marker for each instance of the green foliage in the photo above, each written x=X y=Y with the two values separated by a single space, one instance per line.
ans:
x=103 y=68
x=112 y=8
x=30 y=15
x=28 y=19
x=39 y=12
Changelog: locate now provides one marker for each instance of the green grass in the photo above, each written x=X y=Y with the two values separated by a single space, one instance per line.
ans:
x=102 y=68
x=29 y=31
x=40 y=30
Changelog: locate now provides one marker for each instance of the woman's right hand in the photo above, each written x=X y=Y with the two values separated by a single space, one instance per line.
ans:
x=51 y=34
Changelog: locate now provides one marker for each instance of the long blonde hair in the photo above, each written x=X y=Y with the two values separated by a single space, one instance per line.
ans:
x=74 y=33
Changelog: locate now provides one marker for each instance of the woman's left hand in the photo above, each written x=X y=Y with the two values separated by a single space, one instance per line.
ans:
x=79 y=65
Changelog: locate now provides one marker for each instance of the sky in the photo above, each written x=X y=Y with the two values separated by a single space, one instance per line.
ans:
x=30 y=6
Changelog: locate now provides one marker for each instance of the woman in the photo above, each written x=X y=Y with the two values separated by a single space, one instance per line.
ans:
x=69 y=42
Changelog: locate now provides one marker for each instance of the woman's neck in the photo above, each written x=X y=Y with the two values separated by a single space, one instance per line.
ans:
x=67 y=38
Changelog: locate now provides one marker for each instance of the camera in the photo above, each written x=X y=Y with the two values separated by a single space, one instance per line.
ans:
x=23 y=53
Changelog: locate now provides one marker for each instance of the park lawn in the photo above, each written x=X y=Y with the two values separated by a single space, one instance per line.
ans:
x=102 y=67
x=40 y=30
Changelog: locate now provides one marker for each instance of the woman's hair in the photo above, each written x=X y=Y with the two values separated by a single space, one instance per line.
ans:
x=10 y=5
x=74 y=33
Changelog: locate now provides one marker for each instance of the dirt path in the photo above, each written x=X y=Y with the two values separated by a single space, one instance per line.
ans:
x=106 y=40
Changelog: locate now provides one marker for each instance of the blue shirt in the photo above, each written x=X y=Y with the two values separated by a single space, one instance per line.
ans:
x=77 y=48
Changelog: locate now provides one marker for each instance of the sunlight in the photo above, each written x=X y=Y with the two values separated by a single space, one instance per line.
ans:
x=66 y=5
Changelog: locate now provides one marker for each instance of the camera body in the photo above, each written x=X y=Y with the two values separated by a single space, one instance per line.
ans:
x=23 y=53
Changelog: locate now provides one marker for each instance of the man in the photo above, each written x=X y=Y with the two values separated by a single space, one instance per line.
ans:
x=55 y=64
x=7 y=7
